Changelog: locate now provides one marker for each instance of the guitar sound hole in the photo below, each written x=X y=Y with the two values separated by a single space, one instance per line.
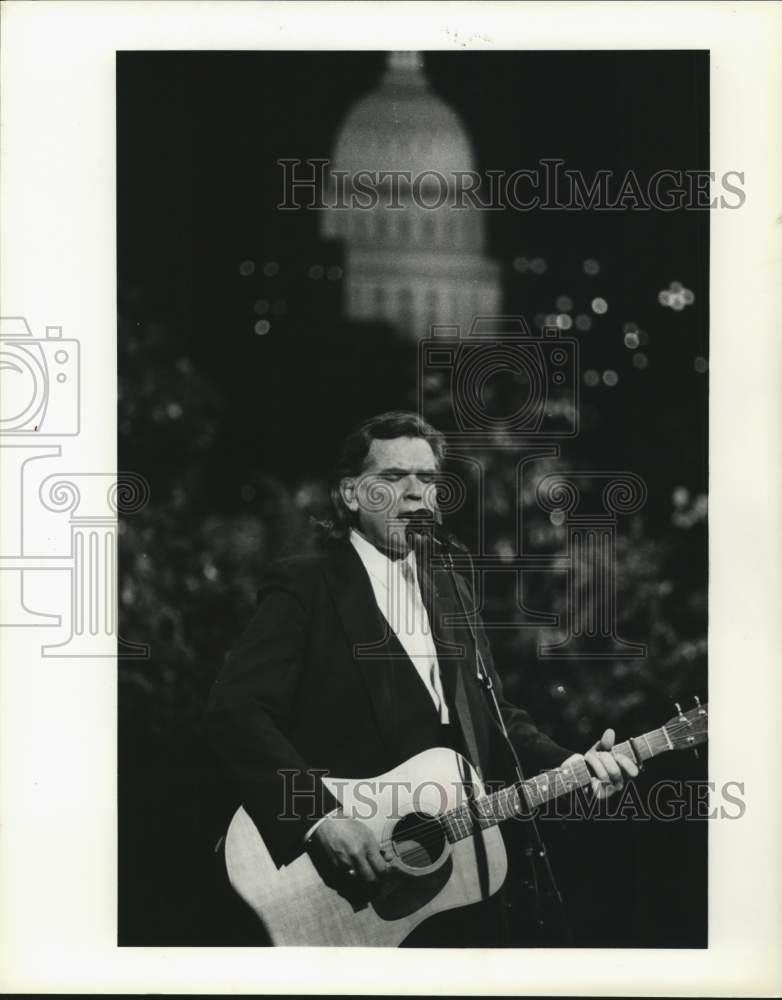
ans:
x=419 y=840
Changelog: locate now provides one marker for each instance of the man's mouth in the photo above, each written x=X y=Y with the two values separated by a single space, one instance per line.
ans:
x=421 y=516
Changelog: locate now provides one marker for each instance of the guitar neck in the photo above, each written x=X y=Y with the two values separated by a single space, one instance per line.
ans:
x=517 y=800
x=576 y=774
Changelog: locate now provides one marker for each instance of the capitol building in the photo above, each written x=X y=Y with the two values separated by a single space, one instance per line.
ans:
x=409 y=266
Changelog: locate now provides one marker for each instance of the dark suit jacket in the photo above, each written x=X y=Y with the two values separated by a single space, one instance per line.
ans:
x=309 y=686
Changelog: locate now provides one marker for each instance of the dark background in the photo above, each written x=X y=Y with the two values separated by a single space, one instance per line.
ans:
x=235 y=432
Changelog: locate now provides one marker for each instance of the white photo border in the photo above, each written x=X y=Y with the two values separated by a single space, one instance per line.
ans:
x=58 y=718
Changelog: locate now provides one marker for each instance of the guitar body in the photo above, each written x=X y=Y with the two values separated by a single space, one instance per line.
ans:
x=305 y=904
x=446 y=854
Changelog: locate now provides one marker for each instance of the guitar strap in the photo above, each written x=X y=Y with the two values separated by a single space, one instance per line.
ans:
x=471 y=746
x=429 y=595
x=465 y=721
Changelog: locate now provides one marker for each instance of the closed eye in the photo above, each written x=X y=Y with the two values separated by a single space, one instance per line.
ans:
x=395 y=475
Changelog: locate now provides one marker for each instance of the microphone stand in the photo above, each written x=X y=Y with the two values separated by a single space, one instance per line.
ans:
x=536 y=851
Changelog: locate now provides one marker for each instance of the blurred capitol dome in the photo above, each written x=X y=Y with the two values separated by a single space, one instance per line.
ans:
x=411 y=259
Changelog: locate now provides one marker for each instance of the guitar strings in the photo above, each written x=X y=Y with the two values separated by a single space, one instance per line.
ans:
x=434 y=823
x=432 y=829
x=490 y=818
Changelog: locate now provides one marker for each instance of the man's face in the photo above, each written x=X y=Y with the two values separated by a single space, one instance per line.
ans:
x=399 y=476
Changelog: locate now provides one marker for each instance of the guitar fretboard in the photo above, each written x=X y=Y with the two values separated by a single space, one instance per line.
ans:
x=507 y=803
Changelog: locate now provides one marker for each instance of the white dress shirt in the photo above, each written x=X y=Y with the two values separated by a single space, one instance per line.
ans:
x=398 y=595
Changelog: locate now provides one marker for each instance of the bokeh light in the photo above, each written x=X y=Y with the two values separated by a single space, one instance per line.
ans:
x=640 y=360
x=632 y=340
x=262 y=327
x=599 y=306
x=610 y=377
x=538 y=265
x=271 y=268
x=564 y=322
x=583 y=322
x=701 y=365
x=591 y=266
x=261 y=307
x=591 y=377
x=520 y=265
x=504 y=550
x=676 y=296
x=315 y=272
x=334 y=273
x=246 y=268
x=564 y=303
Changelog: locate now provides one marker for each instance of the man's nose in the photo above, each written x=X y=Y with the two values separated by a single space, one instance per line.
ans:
x=414 y=489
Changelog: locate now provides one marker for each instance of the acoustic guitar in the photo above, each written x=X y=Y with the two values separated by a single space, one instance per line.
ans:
x=442 y=828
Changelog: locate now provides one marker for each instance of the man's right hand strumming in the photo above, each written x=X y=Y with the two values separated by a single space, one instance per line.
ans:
x=352 y=848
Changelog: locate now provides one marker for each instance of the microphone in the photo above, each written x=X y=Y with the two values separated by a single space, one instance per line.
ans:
x=423 y=522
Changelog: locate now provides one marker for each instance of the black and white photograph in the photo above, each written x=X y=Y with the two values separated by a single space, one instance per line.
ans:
x=446 y=313
x=387 y=540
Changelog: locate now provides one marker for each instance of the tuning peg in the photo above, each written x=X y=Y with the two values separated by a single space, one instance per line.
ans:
x=697 y=701
x=678 y=708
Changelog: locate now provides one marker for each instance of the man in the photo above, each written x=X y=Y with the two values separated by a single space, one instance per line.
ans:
x=331 y=676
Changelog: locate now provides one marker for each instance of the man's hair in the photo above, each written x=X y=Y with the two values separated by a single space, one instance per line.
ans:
x=355 y=448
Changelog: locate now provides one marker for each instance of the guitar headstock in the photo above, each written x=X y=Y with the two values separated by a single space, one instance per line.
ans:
x=688 y=729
